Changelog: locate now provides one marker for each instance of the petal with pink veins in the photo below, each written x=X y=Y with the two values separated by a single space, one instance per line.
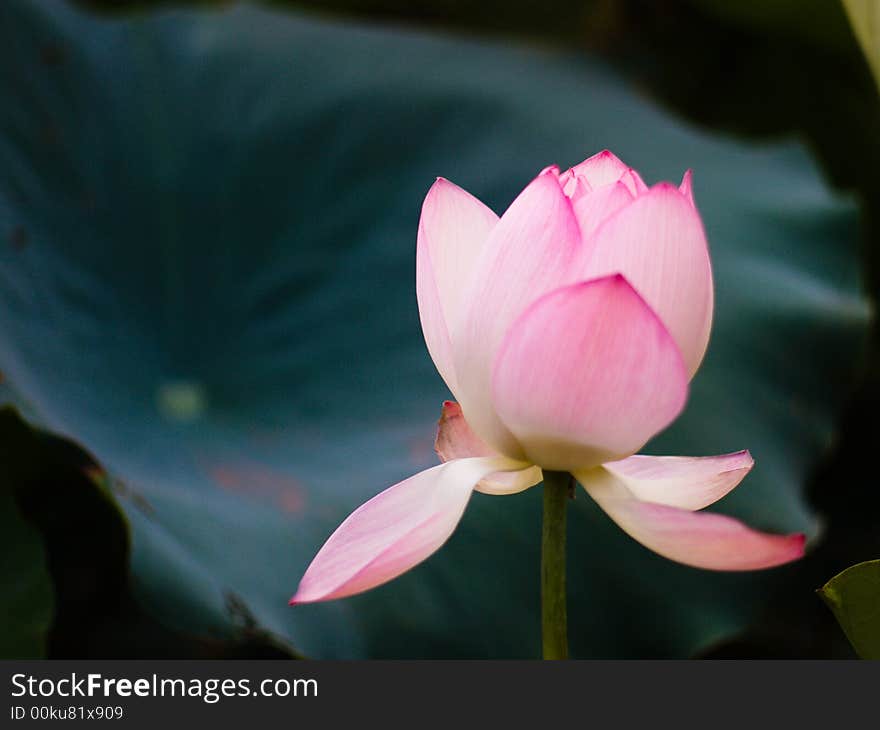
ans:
x=577 y=189
x=395 y=531
x=689 y=483
x=594 y=207
x=587 y=375
x=528 y=253
x=657 y=242
x=456 y=440
x=452 y=231
x=572 y=185
x=603 y=168
x=700 y=539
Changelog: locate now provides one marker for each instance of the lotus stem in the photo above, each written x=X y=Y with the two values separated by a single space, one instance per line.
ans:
x=554 y=614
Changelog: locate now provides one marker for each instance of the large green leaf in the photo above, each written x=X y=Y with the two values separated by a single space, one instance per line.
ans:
x=25 y=586
x=210 y=284
x=72 y=516
x=854 y=596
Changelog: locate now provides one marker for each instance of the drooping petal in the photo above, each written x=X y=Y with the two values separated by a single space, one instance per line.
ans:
x=587 y=375
x=456 y=440
x=592 y=208
x=528 y=253
x=689 y=483
x=603 y=168
x=700 y=539
x=452 y=231
x=657 y=242
x=395 y=530
x=501 y=483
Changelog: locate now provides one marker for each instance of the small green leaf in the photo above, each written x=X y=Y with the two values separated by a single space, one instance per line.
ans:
x=865 y=18
x=854 y=596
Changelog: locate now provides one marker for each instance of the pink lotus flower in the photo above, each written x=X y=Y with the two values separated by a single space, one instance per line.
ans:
x=568 y=330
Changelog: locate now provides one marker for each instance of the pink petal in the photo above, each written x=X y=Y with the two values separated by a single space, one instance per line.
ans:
x=687 y=186
x=452 y=231
x=394 y=531
x=634 y=182
x=526 y=255
x=501 y=483
x=592 y=208
x=587 y=375
x=456 y=440
x=601 y=169
x=658 y=244
x=572 y=185
x=689 y=483
x=700 y=539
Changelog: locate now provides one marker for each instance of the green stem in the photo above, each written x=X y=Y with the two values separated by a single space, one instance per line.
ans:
x=554 y=618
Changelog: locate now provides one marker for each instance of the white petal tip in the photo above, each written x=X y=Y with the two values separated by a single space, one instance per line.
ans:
x=740 y=461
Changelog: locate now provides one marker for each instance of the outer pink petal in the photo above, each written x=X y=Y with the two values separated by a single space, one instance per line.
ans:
x=452 y=230
x=658 y=243
x=456 y=440
x=601 y=169
x=592 y=208
x=689 y=483
x=528 y=253
x=700 y=539
x=587 y=375
x=394 y=531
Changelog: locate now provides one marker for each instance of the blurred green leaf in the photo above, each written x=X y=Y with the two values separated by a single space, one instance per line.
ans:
x=865 y=18
x=854 y=596
x=209 y=284
x=25 y=586
x=68 y=505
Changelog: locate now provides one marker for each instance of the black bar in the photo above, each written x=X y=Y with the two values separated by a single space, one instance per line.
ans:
x=596 y=695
